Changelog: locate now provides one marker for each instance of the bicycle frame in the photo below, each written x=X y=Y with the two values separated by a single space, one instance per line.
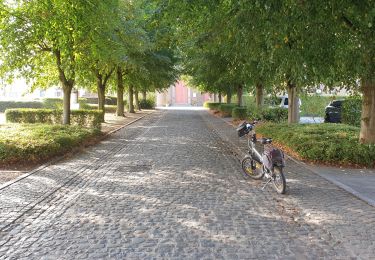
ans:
x=270 y=159
x=253 y=150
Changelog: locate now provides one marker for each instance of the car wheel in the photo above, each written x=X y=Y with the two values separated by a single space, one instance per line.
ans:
x=327 y=119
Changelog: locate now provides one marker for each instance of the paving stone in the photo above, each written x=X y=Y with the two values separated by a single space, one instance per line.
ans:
x=170 y=186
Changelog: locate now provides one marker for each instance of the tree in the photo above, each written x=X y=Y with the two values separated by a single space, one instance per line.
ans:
x=37 y=36
x=352 y=25
x=104 y=49
x=120 y=92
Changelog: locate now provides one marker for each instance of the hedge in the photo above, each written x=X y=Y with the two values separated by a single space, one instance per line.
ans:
x=271 y=114
x=4 y=105
x=274 y=114
x=108 y=100
x=25 y=143
x=351 y=111
x=147 y=104
x=57 y=103
x=239 y=113
x=85 y=118
x=226 y=109
x=330 y=143
x=212 y=105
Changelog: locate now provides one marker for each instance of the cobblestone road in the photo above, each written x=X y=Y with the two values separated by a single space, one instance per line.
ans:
x=169 y=187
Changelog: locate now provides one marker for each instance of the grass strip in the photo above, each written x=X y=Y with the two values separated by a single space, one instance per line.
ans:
x=327 y=143
x=33 y=143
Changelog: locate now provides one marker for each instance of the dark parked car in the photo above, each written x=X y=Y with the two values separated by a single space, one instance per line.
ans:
x=333 y=112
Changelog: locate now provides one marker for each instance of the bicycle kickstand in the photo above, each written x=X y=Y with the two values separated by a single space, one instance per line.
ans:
x=266 y=184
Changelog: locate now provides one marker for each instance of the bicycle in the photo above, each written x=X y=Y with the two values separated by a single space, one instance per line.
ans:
x=267 y=165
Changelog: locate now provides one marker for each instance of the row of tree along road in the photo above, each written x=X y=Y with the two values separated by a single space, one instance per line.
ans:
x=272 y=45
x=224 y=46
x=93 y=44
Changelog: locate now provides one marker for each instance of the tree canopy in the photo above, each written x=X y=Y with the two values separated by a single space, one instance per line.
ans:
x=290 y=45
x=223 y=45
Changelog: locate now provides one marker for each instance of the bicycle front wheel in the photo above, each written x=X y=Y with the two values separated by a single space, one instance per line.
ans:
x=252 y=168
x=278 y=180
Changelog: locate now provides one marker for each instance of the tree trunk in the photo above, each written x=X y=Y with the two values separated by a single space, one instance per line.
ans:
x=136 y=99
x=67 y=90
x=229 y=96
x=67 y=85
x=239 y=95
x=293 y=104
x=259 y=95
x=367 y=133
x=101 y=83
x=120 y=93
x=101 y=97
x=220 y=98
x=144 y=95
x=131 y=103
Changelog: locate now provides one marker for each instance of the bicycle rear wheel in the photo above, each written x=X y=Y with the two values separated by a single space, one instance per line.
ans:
x=252 y=168
x=278 y=180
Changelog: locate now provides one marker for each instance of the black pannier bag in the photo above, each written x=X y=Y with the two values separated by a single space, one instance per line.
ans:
x=242 y=129
x=272 y=157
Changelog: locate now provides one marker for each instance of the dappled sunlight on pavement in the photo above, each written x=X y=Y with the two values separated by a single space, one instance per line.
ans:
x=168 y=186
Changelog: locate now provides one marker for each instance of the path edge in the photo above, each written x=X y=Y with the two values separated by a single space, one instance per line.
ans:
x=60 y=158
x=356 y=194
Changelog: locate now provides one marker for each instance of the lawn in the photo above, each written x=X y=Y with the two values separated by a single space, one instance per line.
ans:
x=327 y=143
x=33 y=143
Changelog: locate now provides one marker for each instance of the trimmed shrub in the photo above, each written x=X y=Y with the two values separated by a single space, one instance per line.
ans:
x=108 y=100
x=351 y=111
x=147 y=104
x=248 y=100
x=83 y=104
x=226 y=109
x=4 y=105
x=332 y=143
x=239 y=113
x=36 y=142
x=110 y=108
x=53 y=103
x=86 y=118
x=212 y=105
x=254 y=113
x=271 y=114
x=274 y=114
x=32 y=116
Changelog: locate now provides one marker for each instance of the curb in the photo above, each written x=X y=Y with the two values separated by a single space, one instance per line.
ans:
x=369 y=201
x=53 y=161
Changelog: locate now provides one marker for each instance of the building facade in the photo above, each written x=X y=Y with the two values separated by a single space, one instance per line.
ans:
x=180 y=94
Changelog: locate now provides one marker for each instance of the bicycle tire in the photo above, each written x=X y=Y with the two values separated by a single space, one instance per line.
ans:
x=278 y=180
x=252 y=168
